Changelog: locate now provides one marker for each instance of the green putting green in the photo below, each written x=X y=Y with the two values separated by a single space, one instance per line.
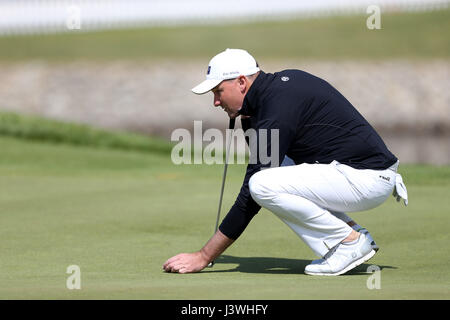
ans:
x=119 y=214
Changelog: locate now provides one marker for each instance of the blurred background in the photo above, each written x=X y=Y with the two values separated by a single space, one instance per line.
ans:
x=130 y=65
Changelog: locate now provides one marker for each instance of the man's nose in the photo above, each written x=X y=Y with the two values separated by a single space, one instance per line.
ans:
x=216 y=102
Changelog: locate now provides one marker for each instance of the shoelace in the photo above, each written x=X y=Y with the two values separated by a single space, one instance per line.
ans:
x=331 y=251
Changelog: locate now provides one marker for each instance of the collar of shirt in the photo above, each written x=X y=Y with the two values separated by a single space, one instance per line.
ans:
x=249 y=104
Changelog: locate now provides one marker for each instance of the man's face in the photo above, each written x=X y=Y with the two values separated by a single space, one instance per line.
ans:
x=229 y=95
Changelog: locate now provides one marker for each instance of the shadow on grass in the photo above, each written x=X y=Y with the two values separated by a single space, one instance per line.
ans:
x=277 y=265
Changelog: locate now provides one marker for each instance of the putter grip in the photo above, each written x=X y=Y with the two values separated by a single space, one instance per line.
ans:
x=232 y=122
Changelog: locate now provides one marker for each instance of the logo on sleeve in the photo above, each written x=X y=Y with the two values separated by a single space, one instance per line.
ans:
x=284 y=79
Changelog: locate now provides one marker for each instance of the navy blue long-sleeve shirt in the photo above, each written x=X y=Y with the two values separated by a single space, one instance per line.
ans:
x=316 y=124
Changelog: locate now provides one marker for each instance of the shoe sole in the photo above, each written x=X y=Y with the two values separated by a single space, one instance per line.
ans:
x=351 y=266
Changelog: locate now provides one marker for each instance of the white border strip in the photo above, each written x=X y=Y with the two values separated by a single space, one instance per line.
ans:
x=53 y=16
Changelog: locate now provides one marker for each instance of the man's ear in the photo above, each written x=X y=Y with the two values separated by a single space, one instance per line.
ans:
x=243 y=83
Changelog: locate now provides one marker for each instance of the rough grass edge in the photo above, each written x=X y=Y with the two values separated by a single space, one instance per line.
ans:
x=47 y=130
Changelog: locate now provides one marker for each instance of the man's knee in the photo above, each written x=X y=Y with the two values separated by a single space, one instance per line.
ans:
x=258 y=186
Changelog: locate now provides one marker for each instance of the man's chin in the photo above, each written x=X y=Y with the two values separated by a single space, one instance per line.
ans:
x=232 y=115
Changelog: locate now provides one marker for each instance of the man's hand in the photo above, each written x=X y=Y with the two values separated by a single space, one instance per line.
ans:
x=197 y=261
x=186 y=263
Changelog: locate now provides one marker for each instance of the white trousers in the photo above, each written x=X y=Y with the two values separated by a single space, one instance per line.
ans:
x=309 y=198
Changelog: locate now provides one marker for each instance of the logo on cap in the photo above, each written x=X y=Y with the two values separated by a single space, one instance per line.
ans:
x=209 y=70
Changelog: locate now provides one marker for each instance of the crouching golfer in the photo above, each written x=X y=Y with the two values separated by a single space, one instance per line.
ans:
x=342 y=164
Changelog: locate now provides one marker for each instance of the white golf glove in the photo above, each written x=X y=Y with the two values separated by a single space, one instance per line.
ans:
x=400 y=191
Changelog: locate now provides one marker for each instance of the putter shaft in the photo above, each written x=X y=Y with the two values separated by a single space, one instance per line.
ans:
x=231 y=127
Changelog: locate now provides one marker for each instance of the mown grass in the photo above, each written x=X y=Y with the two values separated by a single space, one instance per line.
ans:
x=120 y=213
x=402 y=35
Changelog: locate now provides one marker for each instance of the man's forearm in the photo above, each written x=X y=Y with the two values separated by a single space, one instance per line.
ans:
x=216 y=246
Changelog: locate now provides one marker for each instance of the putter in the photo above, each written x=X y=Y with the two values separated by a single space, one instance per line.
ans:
x=231 y=127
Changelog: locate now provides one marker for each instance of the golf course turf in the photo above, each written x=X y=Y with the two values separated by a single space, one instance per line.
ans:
x=119 y=214
x=116 y=206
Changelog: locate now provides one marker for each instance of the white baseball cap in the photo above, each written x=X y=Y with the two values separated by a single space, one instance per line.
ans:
x=228 y=64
